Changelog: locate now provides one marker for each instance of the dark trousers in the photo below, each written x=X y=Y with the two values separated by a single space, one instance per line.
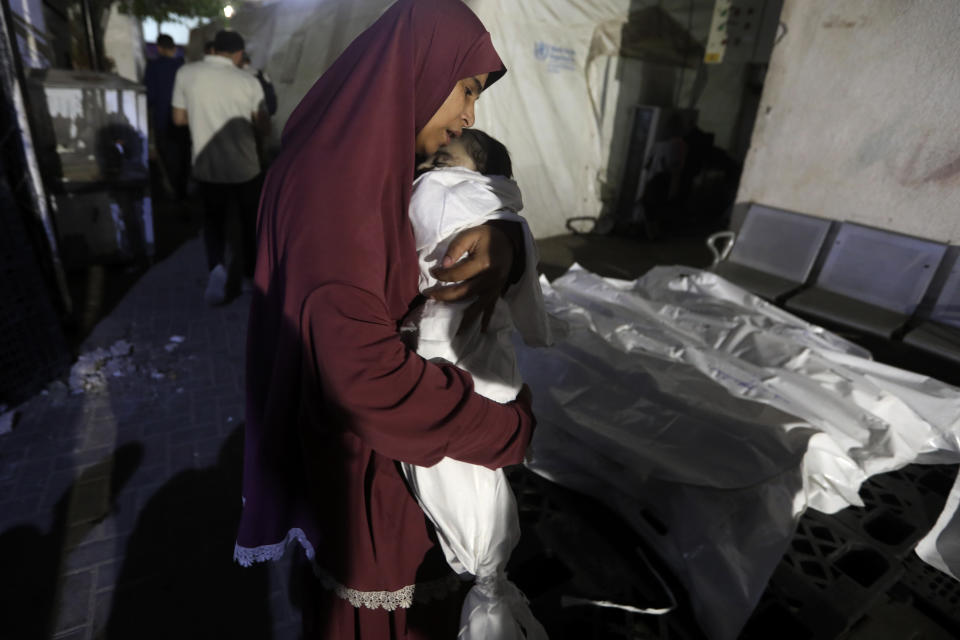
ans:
x=173 y=148
x=230 y=221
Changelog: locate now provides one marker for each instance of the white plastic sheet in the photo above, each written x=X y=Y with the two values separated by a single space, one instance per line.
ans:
x=710 y=420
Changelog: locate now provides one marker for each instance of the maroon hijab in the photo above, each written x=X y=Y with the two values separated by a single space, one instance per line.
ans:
x=332 y=394
x=349 y=145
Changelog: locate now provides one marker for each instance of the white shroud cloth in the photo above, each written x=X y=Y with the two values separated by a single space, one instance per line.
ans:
x=682 y=399
x=472 y=507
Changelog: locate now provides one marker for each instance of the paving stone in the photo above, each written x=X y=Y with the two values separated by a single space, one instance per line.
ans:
x=194 y=432
x=174 y=427
x=104 y=434
x=58 y=484
x=101 y=612
x=204 y=411
x=20 y=511
x=74 y=601
x=8 y=489
x=89 y=555
x=79 y=633
x=147 y=492
x=10 y=464
x=125 y=513
x=107 y=575
x=146 y=476
x=88 y=456
x=280 y=605
x=33 y=476
x=87 y=533
x=288 y=631
x=89 y=501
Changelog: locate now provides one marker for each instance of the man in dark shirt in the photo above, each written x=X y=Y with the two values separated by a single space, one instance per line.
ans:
x=172 y=142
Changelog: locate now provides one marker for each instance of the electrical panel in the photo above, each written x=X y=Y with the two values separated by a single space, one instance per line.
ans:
x=742 y=31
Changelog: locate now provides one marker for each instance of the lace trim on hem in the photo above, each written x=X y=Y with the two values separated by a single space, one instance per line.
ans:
x=248 y=556
x=388 y=600
x=402 y=598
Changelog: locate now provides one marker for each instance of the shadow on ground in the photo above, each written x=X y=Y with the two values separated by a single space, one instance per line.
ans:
x=178 y=578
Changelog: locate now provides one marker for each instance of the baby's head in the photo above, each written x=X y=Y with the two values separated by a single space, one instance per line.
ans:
x=473 y=150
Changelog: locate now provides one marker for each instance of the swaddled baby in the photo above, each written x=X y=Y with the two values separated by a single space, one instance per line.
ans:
x=467 y=183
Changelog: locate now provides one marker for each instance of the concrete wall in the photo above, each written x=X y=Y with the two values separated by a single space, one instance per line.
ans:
x=859 y=116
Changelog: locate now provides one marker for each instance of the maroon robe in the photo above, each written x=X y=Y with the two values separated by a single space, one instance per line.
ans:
x=333 y=395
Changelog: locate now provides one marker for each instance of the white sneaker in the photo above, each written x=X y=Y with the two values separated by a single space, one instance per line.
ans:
x=216 y=292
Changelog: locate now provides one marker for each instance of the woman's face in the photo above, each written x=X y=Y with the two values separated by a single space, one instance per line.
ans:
x=454 y=114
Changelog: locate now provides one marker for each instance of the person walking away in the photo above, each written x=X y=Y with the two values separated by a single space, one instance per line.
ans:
x=225 y=109
x=171 y=141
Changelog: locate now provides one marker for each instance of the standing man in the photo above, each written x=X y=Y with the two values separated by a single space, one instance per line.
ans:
x=172 y=142
x=224 y=108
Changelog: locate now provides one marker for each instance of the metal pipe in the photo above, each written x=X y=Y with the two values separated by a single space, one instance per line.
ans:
x=92 y=48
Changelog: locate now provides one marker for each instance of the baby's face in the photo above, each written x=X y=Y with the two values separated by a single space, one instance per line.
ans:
x=453 y=154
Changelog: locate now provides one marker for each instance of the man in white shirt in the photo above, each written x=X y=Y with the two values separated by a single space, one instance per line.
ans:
x=225 y=110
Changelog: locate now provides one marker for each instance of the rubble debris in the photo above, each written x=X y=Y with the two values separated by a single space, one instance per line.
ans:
x=7 y=419
x=121 y=348
x=175 y=341
x=93 y=371
x=87 y=373
x=94 y=368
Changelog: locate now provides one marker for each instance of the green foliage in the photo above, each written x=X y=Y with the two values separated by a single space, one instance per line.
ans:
x=168 y=10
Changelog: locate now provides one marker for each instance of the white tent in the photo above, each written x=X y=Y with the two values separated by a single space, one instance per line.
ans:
x=562 y=110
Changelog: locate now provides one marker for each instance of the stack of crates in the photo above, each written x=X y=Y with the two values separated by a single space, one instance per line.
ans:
x=841 y=566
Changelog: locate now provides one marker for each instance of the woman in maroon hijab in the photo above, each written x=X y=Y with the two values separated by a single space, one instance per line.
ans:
x=334 y=398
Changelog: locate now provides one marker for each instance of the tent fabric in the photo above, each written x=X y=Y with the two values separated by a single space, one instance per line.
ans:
x=545 y=110
x=682 y=399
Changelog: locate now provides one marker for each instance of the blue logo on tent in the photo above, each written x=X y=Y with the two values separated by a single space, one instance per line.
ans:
x=541 y=50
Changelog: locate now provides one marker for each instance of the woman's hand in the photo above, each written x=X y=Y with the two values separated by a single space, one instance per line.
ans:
x=483 y=272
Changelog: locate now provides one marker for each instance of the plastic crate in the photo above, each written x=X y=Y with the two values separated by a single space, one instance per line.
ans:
x=572 y=547
x=825 y=582
x=936 y=593
x=899 y=507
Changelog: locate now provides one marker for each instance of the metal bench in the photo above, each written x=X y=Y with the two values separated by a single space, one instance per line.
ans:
x=774 y=251
x=938 y=332
x=871 y=281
